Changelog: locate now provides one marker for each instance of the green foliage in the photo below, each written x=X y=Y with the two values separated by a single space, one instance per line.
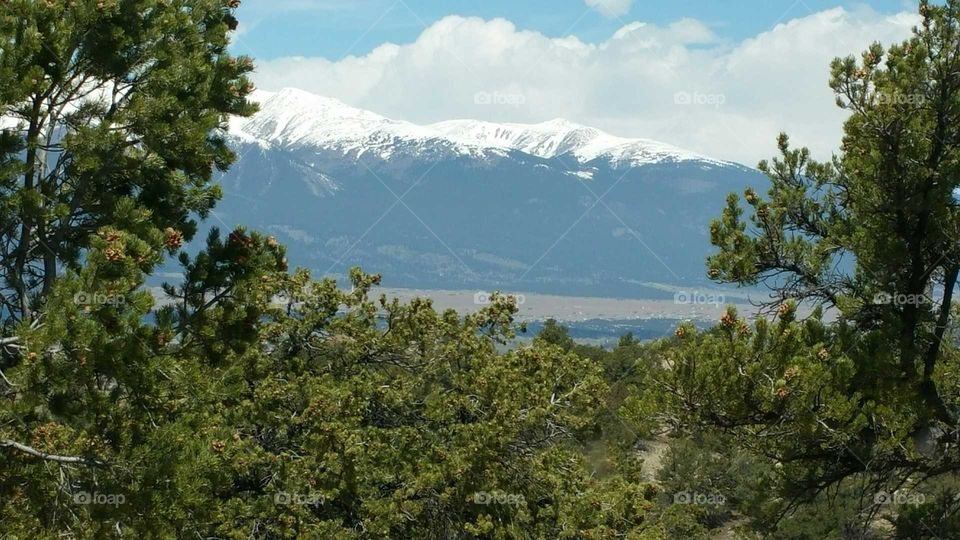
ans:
x=556 y=334
x=260 y=400
x=397 y=431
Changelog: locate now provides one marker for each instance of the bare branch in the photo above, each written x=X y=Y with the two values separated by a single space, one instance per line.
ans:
x=7 y=443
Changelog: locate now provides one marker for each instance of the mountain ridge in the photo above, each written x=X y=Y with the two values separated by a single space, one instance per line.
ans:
x=296 y=118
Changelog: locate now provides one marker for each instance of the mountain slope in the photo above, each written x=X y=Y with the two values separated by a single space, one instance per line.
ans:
x=553 y=207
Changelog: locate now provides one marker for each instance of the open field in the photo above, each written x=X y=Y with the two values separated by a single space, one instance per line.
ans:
x=534 y=307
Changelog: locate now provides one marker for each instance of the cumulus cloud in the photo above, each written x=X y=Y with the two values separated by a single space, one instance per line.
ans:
x=611 y=8
x=678 y=83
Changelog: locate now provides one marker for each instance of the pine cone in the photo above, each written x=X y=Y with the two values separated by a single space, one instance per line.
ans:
x=173 y=238
x=791 y=373
x=114 y=254
x=110 y=236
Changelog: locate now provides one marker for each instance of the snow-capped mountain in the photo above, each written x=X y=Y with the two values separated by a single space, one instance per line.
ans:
x=558 y=138
x=293 y=118
x=554 y=207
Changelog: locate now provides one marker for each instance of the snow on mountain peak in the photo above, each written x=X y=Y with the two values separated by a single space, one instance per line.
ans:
x=296 y=118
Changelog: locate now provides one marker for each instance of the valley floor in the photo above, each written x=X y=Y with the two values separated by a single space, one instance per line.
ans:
x=571 y=309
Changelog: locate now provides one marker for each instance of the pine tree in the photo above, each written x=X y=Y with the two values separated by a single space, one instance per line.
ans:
x=113 y=115
x=871 y=236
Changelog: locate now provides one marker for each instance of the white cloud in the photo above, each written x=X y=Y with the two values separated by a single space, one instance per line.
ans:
x=611 y=8
x=678 y=83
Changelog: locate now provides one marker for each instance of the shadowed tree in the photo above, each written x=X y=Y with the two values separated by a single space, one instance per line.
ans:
x=112 y=118
x=111 y=115
x=872 y=236
x=875 y=233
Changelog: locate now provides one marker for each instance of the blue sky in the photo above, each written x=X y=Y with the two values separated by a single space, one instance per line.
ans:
x=721 y=77
x=334 y=28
